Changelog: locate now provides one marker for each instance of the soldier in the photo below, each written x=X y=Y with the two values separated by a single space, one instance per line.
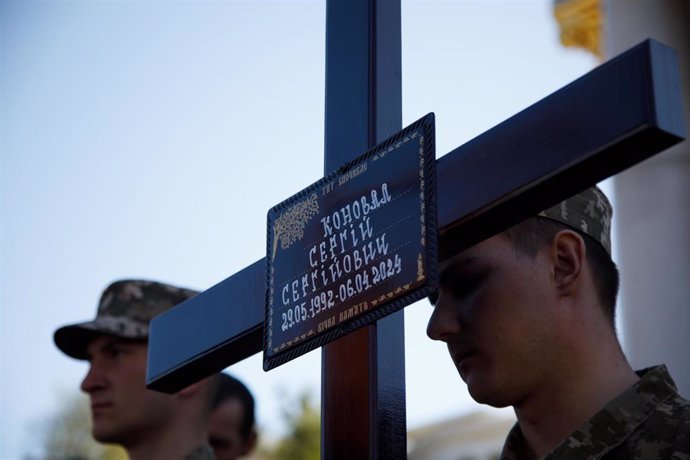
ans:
x=231 y=426
x=528 y=318
x=148 y=424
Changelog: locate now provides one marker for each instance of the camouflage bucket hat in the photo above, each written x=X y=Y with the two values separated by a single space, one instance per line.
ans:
x=588 y=212
x=125 y=310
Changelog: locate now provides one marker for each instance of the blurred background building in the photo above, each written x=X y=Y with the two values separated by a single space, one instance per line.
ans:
x=476 y=436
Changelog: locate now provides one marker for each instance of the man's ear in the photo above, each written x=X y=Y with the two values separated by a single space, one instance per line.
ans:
x=568 y=255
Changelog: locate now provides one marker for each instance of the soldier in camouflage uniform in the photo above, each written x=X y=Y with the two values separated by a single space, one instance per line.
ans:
x=528 y=318
x=148 y=424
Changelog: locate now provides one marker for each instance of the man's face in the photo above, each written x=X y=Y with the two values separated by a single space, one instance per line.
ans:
x=122 y=409
x=224 y=431
x=493 y=311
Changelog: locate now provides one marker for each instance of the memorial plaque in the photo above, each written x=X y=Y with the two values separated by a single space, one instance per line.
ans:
x=353 y=247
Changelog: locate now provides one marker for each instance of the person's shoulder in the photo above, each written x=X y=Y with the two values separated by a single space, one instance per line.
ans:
x=650 y=420
x=671 y=410
x=677 y=407
x=673 y=414
x=666 y=433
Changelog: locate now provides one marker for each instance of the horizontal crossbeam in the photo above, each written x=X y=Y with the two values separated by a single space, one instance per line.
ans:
x=617 y=115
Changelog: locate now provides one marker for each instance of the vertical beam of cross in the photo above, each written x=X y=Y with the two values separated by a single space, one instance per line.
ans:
x=363 y=373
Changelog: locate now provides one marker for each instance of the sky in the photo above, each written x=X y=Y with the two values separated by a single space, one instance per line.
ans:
x=149 y=139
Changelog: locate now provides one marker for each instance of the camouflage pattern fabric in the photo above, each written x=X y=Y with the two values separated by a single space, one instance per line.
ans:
x=204 y=452
x=589 y=212
x=647 y=421
x=125 y=310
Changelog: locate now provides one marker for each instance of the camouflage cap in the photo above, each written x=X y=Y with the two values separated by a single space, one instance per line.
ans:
x=589 y=212
x=125 y=309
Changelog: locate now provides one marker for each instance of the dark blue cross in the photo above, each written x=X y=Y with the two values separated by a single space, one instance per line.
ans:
x=615 y=116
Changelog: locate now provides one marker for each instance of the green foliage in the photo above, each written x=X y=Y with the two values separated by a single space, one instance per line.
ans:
x=303 y=440
x=69 y=435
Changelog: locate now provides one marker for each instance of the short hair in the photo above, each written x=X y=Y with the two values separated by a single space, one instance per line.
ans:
x=534 y=233
x=228 y=387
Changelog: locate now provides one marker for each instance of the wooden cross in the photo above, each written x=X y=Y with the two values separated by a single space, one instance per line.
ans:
x=615 y=116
